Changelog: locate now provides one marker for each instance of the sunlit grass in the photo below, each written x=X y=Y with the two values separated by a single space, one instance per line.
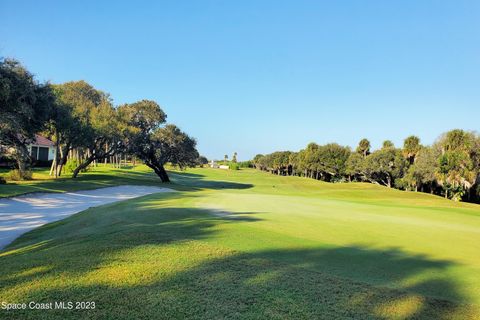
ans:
x=96 y=177
x=282 y=247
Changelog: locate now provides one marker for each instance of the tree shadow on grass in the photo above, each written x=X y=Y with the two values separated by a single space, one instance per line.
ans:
x=301 y=284
x=181 y=181
x=150 y=216
x=143 y=259
x=262 y=285
x=193 y=181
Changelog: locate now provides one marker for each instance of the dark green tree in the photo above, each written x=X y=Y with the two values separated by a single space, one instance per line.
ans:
x=202 y=160
x=25 y=109
x=355 y=167
x=457 y=170
x=332 y=160
x=384 y=166
x=154 y=143
x=95 y=129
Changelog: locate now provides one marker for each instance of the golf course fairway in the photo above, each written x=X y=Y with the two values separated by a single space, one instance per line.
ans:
x=249 y=245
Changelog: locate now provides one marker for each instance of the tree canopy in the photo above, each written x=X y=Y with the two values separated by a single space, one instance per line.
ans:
x=450 y=167
x=85 y=125
x=26 y=106
x=155 y=143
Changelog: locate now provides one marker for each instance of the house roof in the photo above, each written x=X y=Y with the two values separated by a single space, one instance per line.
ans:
x=42 y=141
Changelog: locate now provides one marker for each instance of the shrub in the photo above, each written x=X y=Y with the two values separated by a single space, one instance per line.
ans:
x=2 y=180
x=234 y=166
x=246 y=164
x=16 y=175
x=71 y=165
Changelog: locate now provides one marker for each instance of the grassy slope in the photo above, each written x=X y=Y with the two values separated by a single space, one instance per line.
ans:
x=251 y=245
x=99 y=177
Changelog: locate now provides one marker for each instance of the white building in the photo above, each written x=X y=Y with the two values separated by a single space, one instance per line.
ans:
x=42 y=149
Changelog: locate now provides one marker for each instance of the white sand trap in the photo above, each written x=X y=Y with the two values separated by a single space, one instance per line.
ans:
x=24 y=213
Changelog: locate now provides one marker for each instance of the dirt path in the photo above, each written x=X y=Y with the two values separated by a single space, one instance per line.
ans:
x=24 y=213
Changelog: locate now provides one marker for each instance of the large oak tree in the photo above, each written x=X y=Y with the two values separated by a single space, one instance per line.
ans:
x=25 y=108
x=155 y=143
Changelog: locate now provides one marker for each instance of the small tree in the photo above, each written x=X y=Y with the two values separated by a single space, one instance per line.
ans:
x=234 y=158
x=202 y=160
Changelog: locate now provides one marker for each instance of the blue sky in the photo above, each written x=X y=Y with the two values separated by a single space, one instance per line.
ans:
x=259 y=76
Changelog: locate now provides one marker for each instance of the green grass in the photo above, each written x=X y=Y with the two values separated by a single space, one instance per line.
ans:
x=98 y=177
x=248 y=245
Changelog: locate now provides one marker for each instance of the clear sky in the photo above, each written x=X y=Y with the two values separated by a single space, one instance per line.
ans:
x=259 y=76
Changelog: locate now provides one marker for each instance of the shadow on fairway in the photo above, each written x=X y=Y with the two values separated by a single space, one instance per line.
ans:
x=262 y=285
x=126 y=242
x=182 y=181
x=337 y=283
x=192 y=181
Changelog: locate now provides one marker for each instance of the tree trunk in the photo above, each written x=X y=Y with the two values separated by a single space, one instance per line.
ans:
x=160 y=171
x=23 y=159
x=53 y=167
x=64 y=158
x=82 y=166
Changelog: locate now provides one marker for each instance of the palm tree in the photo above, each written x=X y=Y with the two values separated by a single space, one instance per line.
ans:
x=364 y=147
x=411 y=147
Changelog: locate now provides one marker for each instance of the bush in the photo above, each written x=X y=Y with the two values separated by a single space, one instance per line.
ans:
x=246 y=164
x=234 y=166
x=2 y=180
x=16 y=175
x=71 y=165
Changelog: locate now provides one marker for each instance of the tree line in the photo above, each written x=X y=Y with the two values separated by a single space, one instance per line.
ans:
x=78 y=117
x=450 y=167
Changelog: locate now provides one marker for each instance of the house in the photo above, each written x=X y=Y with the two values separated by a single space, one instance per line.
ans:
x=214 y=165
x=42 y=149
